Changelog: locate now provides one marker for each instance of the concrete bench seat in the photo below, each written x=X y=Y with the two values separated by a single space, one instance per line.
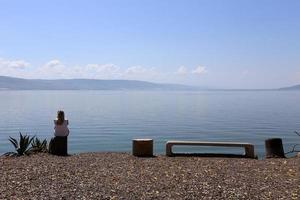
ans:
x=249 y=148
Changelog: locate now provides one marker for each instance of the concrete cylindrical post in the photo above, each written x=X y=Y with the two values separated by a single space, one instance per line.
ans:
x=274 y=148
x=142 y=147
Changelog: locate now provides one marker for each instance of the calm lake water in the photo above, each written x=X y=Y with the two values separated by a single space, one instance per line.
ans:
x=109 y=120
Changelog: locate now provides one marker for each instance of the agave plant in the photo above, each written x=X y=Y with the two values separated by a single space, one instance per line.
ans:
x=22 y=147
x=39 y=146
x=294 y=150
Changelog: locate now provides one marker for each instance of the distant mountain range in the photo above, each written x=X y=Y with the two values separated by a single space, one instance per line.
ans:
x=295 y=87
x=11 y=83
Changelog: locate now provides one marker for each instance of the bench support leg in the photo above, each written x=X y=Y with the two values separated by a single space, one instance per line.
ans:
x=249 y=151
x=169 y=150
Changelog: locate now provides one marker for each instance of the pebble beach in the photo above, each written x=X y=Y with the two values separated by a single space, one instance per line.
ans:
x=123 y=176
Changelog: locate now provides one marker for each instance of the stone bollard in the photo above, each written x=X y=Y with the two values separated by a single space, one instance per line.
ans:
x=142 y=147
x=59 y=146
x=274 y=148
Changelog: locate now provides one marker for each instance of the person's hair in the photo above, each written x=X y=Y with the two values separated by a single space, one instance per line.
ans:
x=60 y=117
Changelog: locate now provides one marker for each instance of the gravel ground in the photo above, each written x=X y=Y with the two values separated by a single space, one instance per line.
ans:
x=122 y=176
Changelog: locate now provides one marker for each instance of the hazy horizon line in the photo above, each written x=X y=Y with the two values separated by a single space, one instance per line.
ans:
x=154 y=82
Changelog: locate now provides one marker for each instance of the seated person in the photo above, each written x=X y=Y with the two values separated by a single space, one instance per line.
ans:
x=59 y=144
x=61 y=125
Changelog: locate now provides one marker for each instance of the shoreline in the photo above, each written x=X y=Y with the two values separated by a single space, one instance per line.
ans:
x=123 y=176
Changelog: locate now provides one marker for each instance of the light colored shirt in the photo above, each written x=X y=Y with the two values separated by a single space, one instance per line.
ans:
x=62 y=129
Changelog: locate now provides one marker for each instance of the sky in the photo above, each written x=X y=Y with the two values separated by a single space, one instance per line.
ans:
x=251 y=44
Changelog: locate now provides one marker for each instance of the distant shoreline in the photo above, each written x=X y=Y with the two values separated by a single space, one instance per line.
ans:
x=157 y=90
x=12 y=83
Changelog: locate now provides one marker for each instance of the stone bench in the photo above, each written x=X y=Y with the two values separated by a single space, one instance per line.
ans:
x=249 y=148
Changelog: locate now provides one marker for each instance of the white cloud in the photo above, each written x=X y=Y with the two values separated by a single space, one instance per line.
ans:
x=295 y=77
x=13 y=64
x=13 y=67
x=56 y=69
x=245 y=72
x=142 y=73
x=106 y=71
x=135 y=70
x=53 y=69
x=53 y=64
x=182 y=71
x=199 y=70
x=138 y=70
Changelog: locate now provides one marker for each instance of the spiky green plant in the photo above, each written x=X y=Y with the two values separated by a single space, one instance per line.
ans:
x=294 y=147
x=22 y=147
x=38 y=146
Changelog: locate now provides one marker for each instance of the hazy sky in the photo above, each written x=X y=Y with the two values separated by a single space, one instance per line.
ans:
x=224 y=44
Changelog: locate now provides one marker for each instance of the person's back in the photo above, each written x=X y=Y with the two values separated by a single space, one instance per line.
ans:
x=61 y=125
x=61 y=129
